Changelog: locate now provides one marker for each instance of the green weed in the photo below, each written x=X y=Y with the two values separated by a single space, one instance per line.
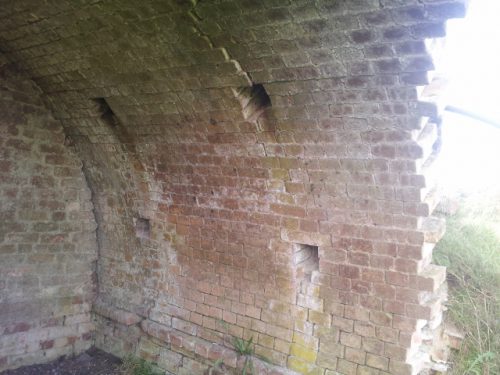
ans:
x=245 y=348
x=470 y=250
x=138 y=366
x=219 y=363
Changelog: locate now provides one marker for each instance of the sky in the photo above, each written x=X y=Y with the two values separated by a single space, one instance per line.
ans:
x=470 y=157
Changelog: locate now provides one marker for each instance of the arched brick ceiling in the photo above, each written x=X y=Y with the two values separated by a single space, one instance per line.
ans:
x=150 y=95
x=157 y=59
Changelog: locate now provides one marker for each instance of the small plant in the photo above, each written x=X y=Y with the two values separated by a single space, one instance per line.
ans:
x=217 y=368
x=138 y=366
x=219 y=363
x=475 y=365
x=245 y=348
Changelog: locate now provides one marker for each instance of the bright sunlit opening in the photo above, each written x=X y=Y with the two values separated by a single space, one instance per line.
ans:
x=470 y=157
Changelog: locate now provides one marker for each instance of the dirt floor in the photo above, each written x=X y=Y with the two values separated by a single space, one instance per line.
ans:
x=92 y=362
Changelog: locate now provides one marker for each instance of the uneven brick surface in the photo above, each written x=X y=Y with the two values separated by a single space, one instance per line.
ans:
x=47 y=233
x=203 y=189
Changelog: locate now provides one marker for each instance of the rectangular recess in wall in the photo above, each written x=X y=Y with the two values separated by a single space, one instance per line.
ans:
x=306 y=260
x=142 y=227
x=254 y=100
x=105 y=112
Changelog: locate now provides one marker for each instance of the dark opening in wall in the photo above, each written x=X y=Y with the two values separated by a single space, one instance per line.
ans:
x=306 y=260
x=142 y=227
x=254 y=101
x=106 y=113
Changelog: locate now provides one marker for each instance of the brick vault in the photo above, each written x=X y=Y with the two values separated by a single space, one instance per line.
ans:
x=176 y=174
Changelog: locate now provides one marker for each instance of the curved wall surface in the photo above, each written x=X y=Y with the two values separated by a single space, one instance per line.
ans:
x=48 y=249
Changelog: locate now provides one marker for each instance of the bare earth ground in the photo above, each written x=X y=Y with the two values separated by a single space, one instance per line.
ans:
x=92 y=362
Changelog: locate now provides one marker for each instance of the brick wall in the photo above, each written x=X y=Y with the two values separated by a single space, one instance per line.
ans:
x=205 y=187
x=47 y=233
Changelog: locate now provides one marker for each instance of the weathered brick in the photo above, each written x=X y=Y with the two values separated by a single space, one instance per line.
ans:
x=207 y=158
x=351 y=340
x=119 y=315
x=355 y=355
x=346 y=367
x=396 y=352
x=364 y=329
x=378 y=362
x=387 y=334
x=372 y=345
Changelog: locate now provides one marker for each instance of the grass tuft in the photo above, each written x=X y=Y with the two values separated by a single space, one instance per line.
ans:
x=245 y=348
x=470 y=250
x=138 y=366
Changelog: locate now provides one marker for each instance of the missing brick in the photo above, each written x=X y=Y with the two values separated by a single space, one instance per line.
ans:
x=105 y=112
x=142 y=228
x=306 y=260
x=254 y=101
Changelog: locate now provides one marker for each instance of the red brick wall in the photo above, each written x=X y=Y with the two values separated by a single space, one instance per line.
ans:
x=47 y=233
x=338 y=162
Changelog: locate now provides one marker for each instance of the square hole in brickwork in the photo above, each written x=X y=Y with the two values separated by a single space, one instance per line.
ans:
x=142 y=227
x=105 y=112
x=306 y=260
x=254 y=100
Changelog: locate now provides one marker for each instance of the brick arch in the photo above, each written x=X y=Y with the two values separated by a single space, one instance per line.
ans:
x=338 y=161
